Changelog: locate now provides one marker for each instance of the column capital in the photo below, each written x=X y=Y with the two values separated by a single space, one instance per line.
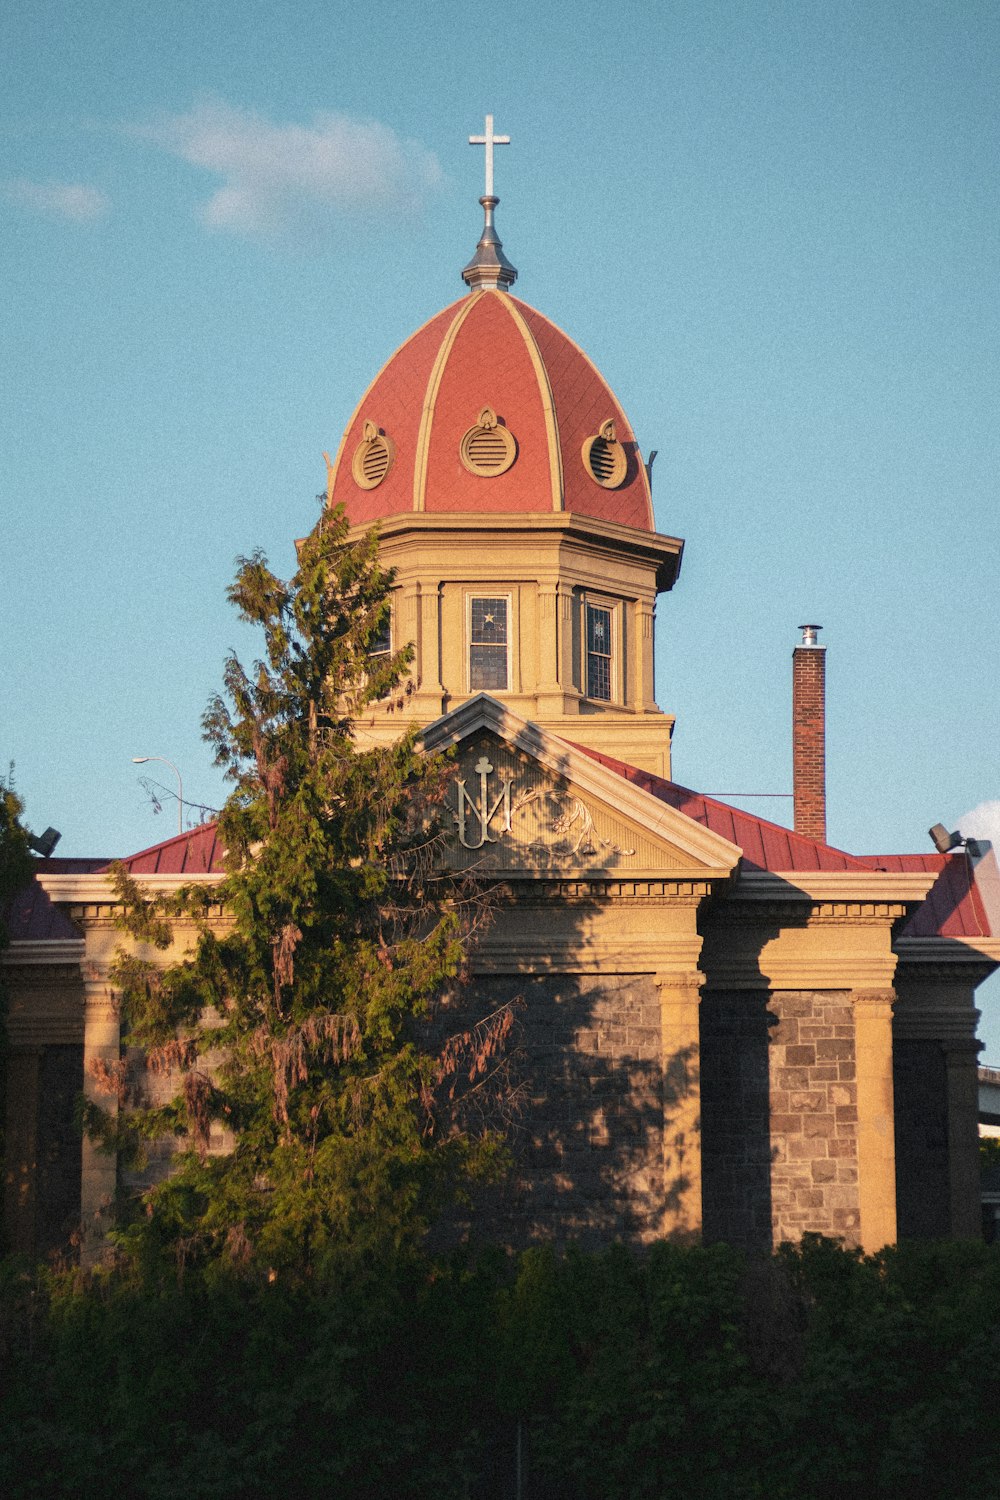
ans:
x=876 y=1004
x=686 y=984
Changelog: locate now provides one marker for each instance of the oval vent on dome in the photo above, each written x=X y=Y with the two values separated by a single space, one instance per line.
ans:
x=604 y=457
x=487 y=449
x=372 y=457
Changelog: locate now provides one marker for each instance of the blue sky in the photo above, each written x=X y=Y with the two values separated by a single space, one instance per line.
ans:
x=773 y=226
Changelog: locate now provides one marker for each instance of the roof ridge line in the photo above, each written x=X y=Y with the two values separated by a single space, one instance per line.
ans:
x=422 y=454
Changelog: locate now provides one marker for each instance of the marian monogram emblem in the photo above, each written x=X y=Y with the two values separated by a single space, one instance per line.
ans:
x=476 y=815
x=540 y=826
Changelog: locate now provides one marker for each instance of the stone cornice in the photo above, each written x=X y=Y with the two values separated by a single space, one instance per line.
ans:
x=543 y=954
x=883 y=888
x=795 y=971
x=935 y=1019
x=539 y=888
x=73 y=889
x=554 y=523
x=965 y=960
x=37 y=952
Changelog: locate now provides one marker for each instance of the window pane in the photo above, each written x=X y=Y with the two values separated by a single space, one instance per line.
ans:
x=488 y=667
x=488 y=644
x=599 y=630
x=598 y=652
x=489 y=622
x=598 y=677
x=381 y=641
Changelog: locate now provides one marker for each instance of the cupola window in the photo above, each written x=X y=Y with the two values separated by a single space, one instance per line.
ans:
x=489 y=645
x=488 y=448
x=380 y=642
x=604 y=457
x=599 y=652
x=372 y=457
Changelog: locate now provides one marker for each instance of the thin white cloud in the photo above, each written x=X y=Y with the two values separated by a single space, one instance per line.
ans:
x=60 y=200
x=280 y=179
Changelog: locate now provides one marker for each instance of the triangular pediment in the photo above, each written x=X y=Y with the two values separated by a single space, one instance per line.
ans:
x=522 y=801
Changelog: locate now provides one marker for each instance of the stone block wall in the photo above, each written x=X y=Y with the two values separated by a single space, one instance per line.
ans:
x=588 y=1139
x=814 y=1134
x=779 y=1117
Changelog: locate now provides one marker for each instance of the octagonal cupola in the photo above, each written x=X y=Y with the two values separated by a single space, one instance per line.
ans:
x=514 y=503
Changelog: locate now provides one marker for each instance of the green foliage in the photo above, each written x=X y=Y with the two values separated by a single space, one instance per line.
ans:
x=293 y=1023
x=15 y=856
x=15 y=871
x=817 y=1373
x=989 y=1151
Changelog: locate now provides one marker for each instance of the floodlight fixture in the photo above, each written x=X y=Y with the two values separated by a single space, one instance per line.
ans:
x=44 y=843
x=944 y=842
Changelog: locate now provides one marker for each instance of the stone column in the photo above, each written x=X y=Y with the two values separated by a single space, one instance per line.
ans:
x=548 y=686
x=408 y=624
x=645 y=687
x=428 y=660
x=961 y=1060
x=566 y=667
x=876 y=1128
x=99 y=1169
x=21 y=1154
x=680 y=996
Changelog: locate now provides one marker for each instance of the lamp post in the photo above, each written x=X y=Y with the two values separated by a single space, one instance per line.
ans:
x=140 y=760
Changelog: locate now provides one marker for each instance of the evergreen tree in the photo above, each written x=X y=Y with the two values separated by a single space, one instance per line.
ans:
x=15 y=855
x=15 y=873
x=299 y=1021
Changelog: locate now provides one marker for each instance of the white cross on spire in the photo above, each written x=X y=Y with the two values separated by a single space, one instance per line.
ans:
x=489 y=140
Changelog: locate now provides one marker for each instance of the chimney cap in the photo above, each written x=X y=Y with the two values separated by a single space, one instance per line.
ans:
x=810 y=634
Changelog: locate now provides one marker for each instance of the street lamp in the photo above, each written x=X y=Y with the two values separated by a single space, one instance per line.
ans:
x=140 y=760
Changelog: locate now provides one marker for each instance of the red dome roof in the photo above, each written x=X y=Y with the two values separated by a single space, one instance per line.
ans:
x=490 y=350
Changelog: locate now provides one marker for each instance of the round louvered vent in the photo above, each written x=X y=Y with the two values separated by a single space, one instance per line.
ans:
x=487 y=448
x=604 y=458
x=372 y=457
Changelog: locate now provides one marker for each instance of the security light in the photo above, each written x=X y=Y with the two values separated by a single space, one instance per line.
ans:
x=44 y=844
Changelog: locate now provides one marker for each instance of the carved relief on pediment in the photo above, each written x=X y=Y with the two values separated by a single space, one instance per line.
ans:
x=505 y=812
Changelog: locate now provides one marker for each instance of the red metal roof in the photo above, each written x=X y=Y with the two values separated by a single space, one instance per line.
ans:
x=490 y=349
x=766 y=846
x=31 y=916
x=197 y=852
x=953 y=908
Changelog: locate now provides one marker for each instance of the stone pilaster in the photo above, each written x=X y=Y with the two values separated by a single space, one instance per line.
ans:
x=680 y=996
x=99 y=1170
x=409 y=627
x=21 y=1153
x=566 y=670
x=547 y=674
x=876 y=1128
x=644 y=692
x=961 y=1062
x=428 y=662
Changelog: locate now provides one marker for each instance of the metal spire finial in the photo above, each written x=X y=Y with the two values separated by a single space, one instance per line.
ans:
x=489 y=267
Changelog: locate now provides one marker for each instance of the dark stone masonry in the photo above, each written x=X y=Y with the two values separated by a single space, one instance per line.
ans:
x=814 y=1116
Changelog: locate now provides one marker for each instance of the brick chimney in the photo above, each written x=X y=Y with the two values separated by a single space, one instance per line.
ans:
x=809 y=734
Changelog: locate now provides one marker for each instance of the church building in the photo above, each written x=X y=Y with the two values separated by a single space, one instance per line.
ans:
x=730 y=1029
